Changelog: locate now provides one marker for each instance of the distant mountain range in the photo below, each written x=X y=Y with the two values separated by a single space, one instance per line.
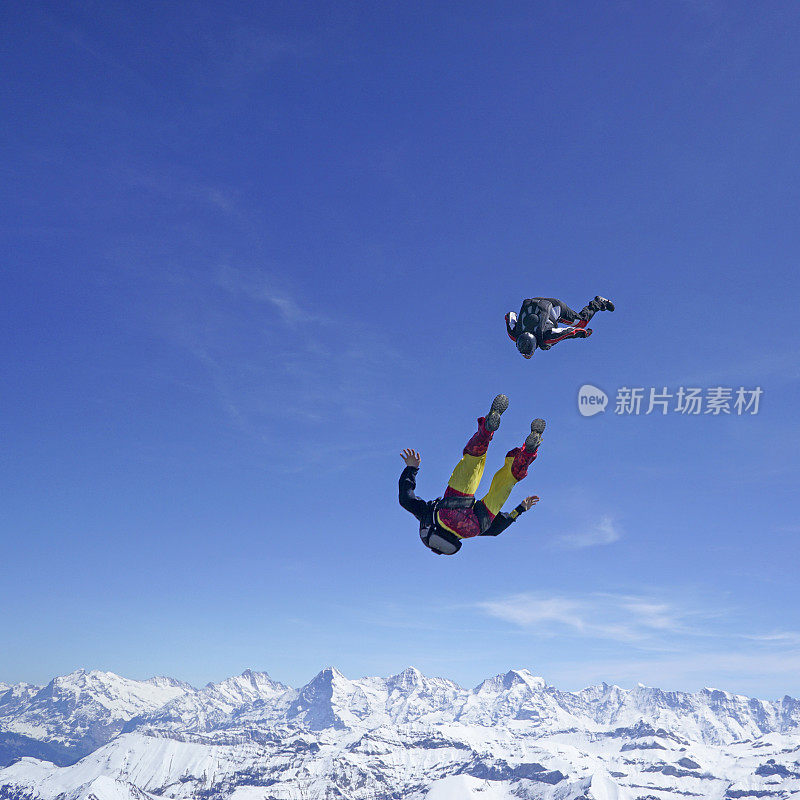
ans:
x=98 y=736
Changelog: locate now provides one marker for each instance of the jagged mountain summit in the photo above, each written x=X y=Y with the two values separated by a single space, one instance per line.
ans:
x=76 y=713
x=97 y=736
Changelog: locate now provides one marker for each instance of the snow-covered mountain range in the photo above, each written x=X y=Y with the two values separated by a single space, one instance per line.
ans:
x=97 y=736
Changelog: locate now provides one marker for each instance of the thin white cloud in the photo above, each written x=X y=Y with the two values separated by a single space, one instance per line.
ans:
x=258 y=344
x=604 y=532
x=777 y=638
x=244 y=53
x=637 y=620
x=527 y=611
x=658 y=616
x=258 y=286
x=171 y=185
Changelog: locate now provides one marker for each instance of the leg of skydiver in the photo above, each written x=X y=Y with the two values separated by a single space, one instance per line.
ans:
x=554 y=335
x=567 y=315
x=551 y=333
x=581 y=319
x=591 y=308
x=561 y=311
x=514 y=470
x=467 y=475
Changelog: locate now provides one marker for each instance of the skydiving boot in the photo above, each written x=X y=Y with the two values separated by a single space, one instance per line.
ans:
x=601 y=304
x=499 y=405
x=479 y=443
x=524 y=456
x=592 y=307
x=535 y=436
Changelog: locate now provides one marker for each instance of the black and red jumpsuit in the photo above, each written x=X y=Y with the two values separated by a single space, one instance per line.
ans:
x=550 y=321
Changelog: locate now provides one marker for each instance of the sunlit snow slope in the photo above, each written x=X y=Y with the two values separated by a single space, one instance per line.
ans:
x=96 y=736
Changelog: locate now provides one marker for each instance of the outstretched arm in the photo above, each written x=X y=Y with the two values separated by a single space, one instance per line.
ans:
x=502 y=520
x=511 y=326
x=408 y=482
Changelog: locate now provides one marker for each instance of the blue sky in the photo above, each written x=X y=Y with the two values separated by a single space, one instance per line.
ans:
x=250 y=251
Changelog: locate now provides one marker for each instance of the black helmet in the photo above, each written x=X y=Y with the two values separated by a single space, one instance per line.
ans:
x=526 y=344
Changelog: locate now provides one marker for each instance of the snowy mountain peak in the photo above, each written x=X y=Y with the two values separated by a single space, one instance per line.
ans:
x=163 y=681
x=112 y=691
x=603 y=693
x=248 y=684
x=13 y=695
x=325 y=683
x=82 y=675
x=329 y=674
x=513 y=679
x=409 y=674
x=81 y=679
x=516 y=676
x=409 y=678
x=717 y=694
x=76 y=713
x=323 y=680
